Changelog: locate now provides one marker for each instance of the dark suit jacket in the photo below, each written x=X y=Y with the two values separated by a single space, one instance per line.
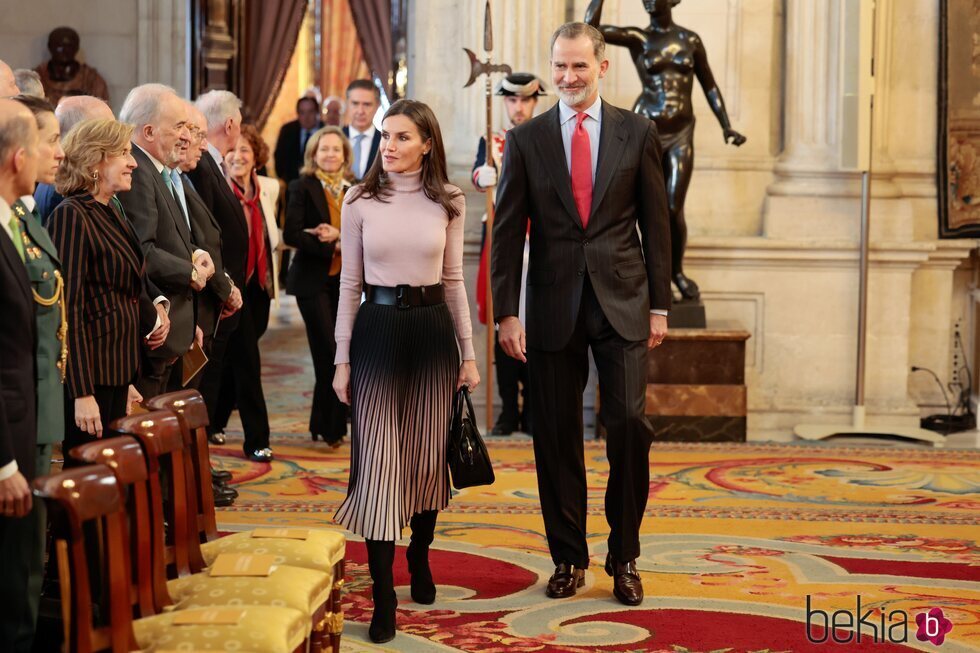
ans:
x=105 y=292
x=18 y=371
x=167 y=246
x=46 y=198
x=630 y=274
x=310 y=267
x=207 y=235
x=375 y=144
x=288 y=155
x=212 y=187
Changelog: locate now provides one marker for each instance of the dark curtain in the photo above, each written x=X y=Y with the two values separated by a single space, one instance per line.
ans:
x=373 y=21
x=271 y=31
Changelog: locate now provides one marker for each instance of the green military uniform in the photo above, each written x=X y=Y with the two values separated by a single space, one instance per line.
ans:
x=44 y=272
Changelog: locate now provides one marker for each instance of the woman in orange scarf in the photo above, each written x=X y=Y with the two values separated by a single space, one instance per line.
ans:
x=313 y=228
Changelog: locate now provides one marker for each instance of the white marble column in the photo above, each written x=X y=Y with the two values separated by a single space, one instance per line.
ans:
x=164 y=44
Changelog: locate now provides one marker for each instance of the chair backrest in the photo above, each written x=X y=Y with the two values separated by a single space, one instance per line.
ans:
x=124 y=456
x=193 y=415
x=93 y=506
x=160 y=434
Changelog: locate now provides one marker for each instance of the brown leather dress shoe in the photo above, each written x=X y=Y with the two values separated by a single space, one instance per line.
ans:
x=565 y=581
x=627 y=586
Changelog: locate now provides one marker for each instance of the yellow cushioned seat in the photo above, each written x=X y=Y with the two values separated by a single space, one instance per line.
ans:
x=288 y=587
x=321 y=550
x=265 y=630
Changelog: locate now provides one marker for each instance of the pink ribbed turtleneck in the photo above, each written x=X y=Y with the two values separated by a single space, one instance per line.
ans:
x=409 y=240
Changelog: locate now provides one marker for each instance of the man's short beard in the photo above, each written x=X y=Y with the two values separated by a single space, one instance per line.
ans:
x=571 y=98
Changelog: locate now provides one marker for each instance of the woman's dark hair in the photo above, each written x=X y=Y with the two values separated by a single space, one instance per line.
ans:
x=36 y=105
x=435 y=178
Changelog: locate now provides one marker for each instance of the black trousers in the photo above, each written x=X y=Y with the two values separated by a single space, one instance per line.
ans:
x=112 y=405
x=558 y=380
x=241 y=372
x=328 y=415
x=155 y=375
x=512 y=379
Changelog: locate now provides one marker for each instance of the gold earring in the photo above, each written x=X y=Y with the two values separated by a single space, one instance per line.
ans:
x=95 y=175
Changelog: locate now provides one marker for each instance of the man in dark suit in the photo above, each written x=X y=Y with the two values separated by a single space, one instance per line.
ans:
x=220 y=290
x=363 y=100
x=293 y=136
x=156 y=206
x=18 y=378
x=223 y=114
x=588 y=176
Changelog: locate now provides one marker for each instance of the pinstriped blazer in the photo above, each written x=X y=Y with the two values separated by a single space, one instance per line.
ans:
x=103 y=268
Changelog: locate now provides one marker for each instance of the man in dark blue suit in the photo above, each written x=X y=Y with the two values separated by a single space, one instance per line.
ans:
x=293 y=136
x=18 y=379
x=363 y=100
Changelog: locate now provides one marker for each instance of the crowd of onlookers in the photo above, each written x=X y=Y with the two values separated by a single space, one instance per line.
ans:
x=132 y=245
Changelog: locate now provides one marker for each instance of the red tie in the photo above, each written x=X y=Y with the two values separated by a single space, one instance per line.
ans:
x=582 y=169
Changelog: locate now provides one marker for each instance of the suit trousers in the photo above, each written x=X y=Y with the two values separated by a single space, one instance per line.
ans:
x=241 y=378
x=22 y=544
x=155 y=374
x=558 y=380
x=512 y=380
x=328 y=415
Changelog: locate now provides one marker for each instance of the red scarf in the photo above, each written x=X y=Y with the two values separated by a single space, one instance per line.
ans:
x=256 y=231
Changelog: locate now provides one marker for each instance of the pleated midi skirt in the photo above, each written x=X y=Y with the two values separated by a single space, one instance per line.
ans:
x=404 y=366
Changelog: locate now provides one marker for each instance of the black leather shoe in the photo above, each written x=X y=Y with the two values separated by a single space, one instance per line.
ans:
x=260 y=455
x=687 y=287
x=503 y=428
x=220 y=476
x=223 y=496
x=627 y=586
x=565 y=581
x=216 y=438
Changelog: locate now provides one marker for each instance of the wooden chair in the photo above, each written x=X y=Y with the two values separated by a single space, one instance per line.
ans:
x=93 y=503
x=306 y=590
x=323 y=550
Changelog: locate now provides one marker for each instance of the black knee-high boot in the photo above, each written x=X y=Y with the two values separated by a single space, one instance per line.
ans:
x=381 y=556
x=423 y=529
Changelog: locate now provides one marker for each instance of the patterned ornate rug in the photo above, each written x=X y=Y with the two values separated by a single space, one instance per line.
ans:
x=752 y=547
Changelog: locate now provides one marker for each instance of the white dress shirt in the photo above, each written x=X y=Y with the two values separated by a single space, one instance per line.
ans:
x=365 y=153
x=592 y=125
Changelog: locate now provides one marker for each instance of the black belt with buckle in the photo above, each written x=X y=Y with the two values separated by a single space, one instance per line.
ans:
x=405 y=296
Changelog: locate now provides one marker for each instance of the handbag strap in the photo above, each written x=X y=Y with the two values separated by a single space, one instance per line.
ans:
x=469 y=404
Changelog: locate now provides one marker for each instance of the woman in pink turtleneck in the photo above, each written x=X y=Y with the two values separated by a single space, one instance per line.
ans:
x=398 y=354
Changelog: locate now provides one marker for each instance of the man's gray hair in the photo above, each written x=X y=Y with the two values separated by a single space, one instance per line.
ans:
x=29 y=82
x=575 y=30
x=218 y=106
x=143 y=104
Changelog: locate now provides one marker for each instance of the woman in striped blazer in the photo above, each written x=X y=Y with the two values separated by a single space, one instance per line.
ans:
x=105 y=286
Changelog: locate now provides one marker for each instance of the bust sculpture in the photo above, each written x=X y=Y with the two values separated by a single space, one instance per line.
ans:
x=64 y=75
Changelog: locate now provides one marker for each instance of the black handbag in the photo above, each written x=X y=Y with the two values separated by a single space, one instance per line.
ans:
x=469 y=462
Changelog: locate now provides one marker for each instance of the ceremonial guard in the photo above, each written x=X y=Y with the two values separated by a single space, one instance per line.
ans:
x=520 y=92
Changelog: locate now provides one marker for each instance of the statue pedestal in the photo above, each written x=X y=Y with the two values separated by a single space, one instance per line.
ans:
x=696 y=386
x=687 y=314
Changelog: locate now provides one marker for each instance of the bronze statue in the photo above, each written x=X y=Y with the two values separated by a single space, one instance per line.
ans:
x=668 y=57
x=63 y=75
